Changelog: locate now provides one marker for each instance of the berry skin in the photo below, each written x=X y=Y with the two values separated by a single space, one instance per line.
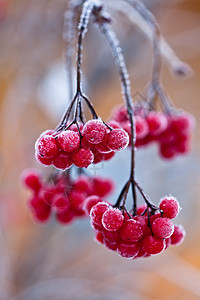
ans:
x=162 y=227
x=46 y=146
x=60 y=202
x=69 y=140
x=62 y=161
x=178 y=235
x=112 y=219
x=43 y=160
x=117 y=139
x=108 y=156
x=141 y=209
x=99 y=238
x=90 y=202
x=141 y=127
x=170 y=207
x=32 y=180
x=65 y=216
x=131 y=231
x=83 y=158
x=157 y=123
x=112 y=236
x=97 y=212
x=128 y=251
x=183 y=122
x=102 y=187
x=42 y=214
x=94 y=131
x=82 y=183
x=153 y=245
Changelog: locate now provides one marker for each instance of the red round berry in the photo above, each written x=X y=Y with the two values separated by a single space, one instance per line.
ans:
x=60 y=202
x=163 y=227
x=99 y=238
x=117 y=139
x=112 y=219
x=46 y=146
x=94 y=131
x=102 y=187
x=153 y=245
x=90 y=202
x=108 y=156
x=43 y=160
x=69 y=140
x=157 y=123
x=83 y=157
x=178 y=235
x=170 y=207
x=62 y=161
x=31 y=179
x=131 y=231
x=97 y=211
x=65 y=216
x=141 y=127
x=128 y=251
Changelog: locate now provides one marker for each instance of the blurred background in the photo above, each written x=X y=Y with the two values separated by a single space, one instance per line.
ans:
x=64 y=263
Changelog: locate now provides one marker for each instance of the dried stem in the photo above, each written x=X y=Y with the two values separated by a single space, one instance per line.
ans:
x=125 y=83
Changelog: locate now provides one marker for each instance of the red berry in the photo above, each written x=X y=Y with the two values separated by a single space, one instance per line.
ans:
x=157 y=123
x=178 y=235
x=99 y=238
x=60 y=202
x=31 y=179
x=83 y=157
x=43 y=160
x=90 y=202
x=120 y=114
x=69 y=140
x=98 y=157
x=153 y=245
x=97 y=212
x=141 y=209
x=82 y=183
x=128 y=251
x=112 y=219
x=170 y=207
x=65 y=216
x=108 y=156
x=42 y=214
x=94 y=131
x=76 y=200
x=112 y=236
x=46 y=146
x=183 y=122
x=62 y=161
x=131 y=231
x=117 y=139
x=167 y=151
x=109 y=245
x=141 y=126
x=163 y=227
x=114 y=124
x=102 y=187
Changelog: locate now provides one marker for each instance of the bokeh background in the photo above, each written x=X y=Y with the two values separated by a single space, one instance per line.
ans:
x=64 y=263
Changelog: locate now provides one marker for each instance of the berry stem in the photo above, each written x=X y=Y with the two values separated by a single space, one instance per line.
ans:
x=125 y=83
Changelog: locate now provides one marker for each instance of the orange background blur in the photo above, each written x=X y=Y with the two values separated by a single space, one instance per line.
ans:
x=64 y=263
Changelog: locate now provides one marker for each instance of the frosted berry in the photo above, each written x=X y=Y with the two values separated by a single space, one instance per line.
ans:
x=178 y=235
x=153 y=245
x=170 y=206
x=102 y=186
x=90 y=202
x=141 y=126
x=112 y=236
x=157 y=122
x=62 y=161
x=162 y=227
x=83 y=157
x=112 y=219
x=69 y=140
x=128 y=251
x=131 y=231
x=94 y=131
x=31 y=179
x=60 y=202
x=43 y=160
x=46 y=146
x=117 y=139
x=97 y=211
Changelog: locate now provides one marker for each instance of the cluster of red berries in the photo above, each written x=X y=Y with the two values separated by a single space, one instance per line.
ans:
x=81 y=146
x=62 y=196
x=172 y=132
x=135 y=236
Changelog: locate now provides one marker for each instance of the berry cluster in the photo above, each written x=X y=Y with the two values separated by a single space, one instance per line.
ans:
x=136 y=236
x=171 y=131
x=62 y=196
x=80 y=145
